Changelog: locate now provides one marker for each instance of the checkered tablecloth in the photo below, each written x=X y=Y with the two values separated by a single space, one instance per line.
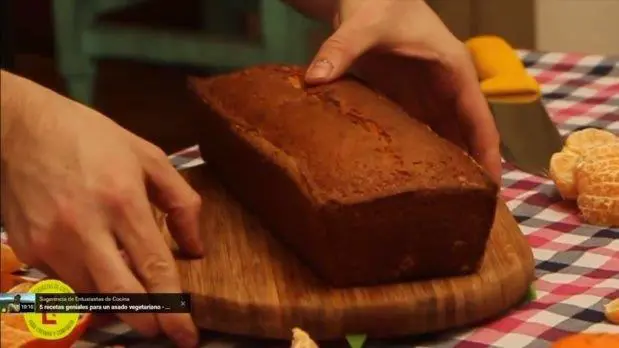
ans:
x=577 y=265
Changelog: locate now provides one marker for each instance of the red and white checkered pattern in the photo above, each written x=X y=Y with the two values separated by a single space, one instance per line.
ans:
x=577 y=265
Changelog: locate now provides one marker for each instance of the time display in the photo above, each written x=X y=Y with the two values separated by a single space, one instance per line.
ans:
x=26 y=307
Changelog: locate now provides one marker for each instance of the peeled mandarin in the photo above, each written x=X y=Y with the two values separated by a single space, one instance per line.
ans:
x=597 y=184
x=301 y=339
x=587 y=138
x=562 y=167
x=597 y=210
x=611 y=310
x=587 y=170
x=603 y=159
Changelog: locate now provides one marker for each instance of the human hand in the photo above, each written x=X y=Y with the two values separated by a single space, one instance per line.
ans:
x=75 y=192
x=402 y=47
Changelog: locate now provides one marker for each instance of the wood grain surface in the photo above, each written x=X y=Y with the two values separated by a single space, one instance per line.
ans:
x=249 y=284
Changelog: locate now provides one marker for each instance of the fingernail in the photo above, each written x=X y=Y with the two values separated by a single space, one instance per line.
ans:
x=187 y=339
x=196 y=252
x=321 y=69
x=200 y=249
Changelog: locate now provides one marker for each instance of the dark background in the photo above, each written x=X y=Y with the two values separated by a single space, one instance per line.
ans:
x=150 y=100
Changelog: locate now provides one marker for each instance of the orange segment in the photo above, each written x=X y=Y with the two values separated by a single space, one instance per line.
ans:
x=611 y=310
x=562 y=167
x=587 y=138
x=597 y=182
x=599 y=210
x=601 y=160
x=301 y=339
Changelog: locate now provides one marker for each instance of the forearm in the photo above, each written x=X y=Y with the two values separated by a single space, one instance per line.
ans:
x=322 y=10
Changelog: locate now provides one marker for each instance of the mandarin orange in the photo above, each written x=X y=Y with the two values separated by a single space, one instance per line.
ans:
x=588 y=340
x=562 y=167
x=586 y=138
x=611 y=311
x=587 y=170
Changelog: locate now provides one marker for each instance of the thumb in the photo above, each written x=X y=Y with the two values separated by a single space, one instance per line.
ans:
x=338 y=52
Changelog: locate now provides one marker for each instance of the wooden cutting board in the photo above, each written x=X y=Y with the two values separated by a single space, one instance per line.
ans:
x=249 y=284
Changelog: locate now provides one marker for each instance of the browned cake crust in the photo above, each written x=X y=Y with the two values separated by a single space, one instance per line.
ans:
x=360 y=191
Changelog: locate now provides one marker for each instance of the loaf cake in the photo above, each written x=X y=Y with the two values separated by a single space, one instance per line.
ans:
x=360 y=191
